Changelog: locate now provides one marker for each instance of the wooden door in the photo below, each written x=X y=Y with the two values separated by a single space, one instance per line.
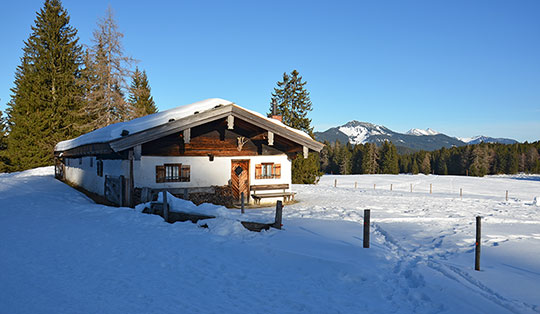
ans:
x=240 y=178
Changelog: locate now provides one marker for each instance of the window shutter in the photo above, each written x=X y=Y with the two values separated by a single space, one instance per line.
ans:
x=185 y=173
x=277 y=171
x=258 y=171
x=160 y=174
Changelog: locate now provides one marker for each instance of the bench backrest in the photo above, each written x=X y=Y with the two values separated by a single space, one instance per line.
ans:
x=265 y=187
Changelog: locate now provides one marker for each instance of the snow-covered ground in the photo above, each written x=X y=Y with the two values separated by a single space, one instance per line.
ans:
x=61 y=253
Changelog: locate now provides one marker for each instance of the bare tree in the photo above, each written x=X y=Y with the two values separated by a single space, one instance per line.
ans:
x=104 y=77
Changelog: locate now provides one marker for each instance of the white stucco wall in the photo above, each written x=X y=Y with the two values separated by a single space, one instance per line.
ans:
x=86 y=176
x=205 y=173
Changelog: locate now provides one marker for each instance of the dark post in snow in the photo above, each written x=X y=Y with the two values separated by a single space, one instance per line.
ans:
x=355 y=184
x=165 y=207
x=477 y=245
x=242 y=202
x=430 y=188
x=461 y=193
x=366 y=227
x=122 y=191
x=279 y=215
x=390 y=186
x=335 y=182
x=507 y=195
x=374 y=185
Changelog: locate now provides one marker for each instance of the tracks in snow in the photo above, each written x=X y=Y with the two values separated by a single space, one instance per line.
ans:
x=407 y=269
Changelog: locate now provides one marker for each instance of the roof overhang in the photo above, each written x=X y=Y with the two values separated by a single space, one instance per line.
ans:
x=219 y=112
x=209 y=116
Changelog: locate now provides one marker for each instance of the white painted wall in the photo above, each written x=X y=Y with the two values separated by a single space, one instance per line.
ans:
x=205 y=173
x=86 y=176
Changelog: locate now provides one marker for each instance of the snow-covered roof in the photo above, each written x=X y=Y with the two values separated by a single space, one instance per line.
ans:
x=114 y=132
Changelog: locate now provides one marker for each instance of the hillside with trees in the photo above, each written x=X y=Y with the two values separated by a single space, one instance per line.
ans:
x=473 y=160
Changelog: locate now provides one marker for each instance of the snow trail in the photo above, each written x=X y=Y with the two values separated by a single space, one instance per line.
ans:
x=62 y=253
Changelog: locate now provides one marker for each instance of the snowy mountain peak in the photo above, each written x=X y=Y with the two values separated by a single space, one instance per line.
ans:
x=419 y=132
x=359 y=132
x=486 y=139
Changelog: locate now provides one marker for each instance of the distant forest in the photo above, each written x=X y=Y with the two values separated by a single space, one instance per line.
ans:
x=473 y=160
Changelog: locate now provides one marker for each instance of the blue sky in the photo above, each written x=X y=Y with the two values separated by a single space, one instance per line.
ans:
x=463 y=68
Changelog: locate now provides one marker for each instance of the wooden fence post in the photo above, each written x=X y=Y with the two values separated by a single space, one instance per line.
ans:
x=478 y=240
x=335 y=182
x=374 y=186
x=390 y=186
x=279 y=215
x=461 y=193
x=411 y=187
x=122 y=188
x=242 y=202
x=165 y=207
x=507 y=195
x=355 y=184
x=430 y=188
x=367 y=213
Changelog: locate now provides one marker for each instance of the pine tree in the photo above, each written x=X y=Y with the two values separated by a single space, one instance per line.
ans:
x=425 y=164
x=369 y=159
x=306 y=170
x=325 y=157
x=3 y=144
x=46 y=96
x=344 y=159
x=357 y=156
x=389 y=159
x=414 y=167
x=139 y=95
x=106 y=70
x=293 y=102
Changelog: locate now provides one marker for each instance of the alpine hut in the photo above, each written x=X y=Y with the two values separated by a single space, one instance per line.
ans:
x=188 y=149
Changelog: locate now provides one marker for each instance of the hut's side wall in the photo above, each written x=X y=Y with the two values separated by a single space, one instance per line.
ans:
x=83 y=172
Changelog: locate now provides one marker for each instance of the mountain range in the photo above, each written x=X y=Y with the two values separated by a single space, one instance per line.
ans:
x=356 y=132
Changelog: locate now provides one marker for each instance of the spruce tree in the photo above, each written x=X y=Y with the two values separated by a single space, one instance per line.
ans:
x=425 y=164
x=389 y=158
x=293 y=102
x=325 y=157
x=356 y=159
x=3 y=144
x=46 y=96
x=344 y=159
x=139 y=95
x=369 y=159
x=106 y=70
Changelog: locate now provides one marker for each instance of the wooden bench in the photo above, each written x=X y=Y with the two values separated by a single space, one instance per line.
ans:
x=287 y=196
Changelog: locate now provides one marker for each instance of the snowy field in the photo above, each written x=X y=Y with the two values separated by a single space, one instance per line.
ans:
x=61 y=253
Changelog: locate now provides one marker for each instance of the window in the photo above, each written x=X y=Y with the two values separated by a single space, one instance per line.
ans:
x=267 y=170
x=99 y=167
x=172 y=173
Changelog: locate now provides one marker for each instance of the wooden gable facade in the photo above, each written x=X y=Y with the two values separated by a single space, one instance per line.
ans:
x=224 y=146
